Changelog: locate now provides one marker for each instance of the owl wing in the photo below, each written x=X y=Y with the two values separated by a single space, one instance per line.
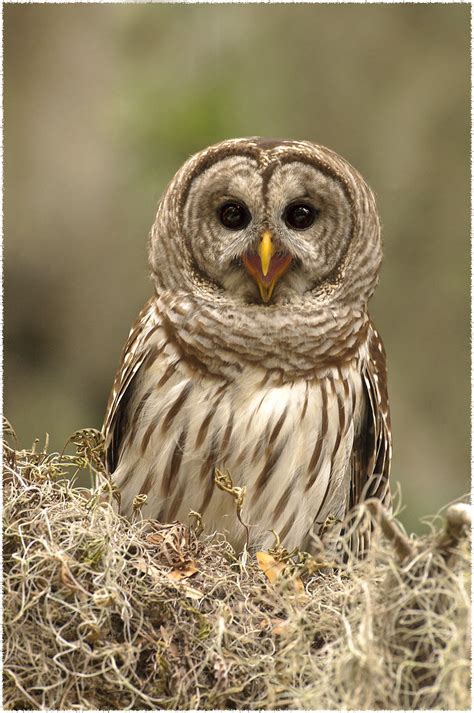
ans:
x=372 y=452
x=134 y=354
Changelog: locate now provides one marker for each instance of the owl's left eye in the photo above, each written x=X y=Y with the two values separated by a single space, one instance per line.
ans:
x=299 y=216
x=234 y=216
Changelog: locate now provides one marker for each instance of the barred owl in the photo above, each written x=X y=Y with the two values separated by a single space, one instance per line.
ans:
x=256 y=354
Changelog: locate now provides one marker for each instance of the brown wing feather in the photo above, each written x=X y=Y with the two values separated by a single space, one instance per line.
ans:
x=372 y=452
x=134 y=353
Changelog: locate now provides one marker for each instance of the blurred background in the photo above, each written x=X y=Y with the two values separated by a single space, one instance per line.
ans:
x=103 y=103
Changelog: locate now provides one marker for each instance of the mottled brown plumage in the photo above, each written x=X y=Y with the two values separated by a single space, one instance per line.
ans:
x=256 y=353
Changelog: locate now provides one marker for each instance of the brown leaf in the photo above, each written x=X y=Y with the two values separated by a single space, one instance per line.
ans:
x=270 y=567
x=183 y=572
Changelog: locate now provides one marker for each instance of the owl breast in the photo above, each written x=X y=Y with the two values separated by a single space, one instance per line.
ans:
x=288 y=443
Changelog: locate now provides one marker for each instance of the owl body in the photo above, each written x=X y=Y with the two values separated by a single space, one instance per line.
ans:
x=282 y=383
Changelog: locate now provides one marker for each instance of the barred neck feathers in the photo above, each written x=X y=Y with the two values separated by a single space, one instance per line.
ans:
x=293 y=341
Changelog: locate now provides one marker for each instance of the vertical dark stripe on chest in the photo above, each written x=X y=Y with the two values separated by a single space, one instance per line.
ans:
x=268 y=469
x=278 y=427
x=206 y=475
x=305 y=403
x=341 y=429
x=314 y=463
x=174 y=464
x=176 y=407
x=138 y=412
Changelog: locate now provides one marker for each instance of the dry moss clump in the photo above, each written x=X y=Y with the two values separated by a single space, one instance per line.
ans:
x=100 y=613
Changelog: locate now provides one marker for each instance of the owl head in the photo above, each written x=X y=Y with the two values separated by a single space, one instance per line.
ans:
x=267 y=223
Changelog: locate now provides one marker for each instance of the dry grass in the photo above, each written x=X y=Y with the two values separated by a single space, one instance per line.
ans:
x=101 y=613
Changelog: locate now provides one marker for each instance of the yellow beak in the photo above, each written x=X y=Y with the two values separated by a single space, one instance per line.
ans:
x=266 y=267
x=265 y=251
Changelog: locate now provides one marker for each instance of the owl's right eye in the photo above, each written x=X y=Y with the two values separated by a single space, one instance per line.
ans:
x=234 y=216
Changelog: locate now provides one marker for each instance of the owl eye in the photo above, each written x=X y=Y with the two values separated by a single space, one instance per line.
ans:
x=299 y=216
x=234 y=216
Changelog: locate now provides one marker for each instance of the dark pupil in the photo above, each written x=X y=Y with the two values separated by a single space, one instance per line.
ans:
x=300 y=216
x=234 y=216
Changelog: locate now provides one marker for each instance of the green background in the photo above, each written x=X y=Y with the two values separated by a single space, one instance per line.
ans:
x=103 y=103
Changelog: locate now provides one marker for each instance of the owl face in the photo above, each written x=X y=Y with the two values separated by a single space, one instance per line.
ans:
x=266 y=233
x=254 y=223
